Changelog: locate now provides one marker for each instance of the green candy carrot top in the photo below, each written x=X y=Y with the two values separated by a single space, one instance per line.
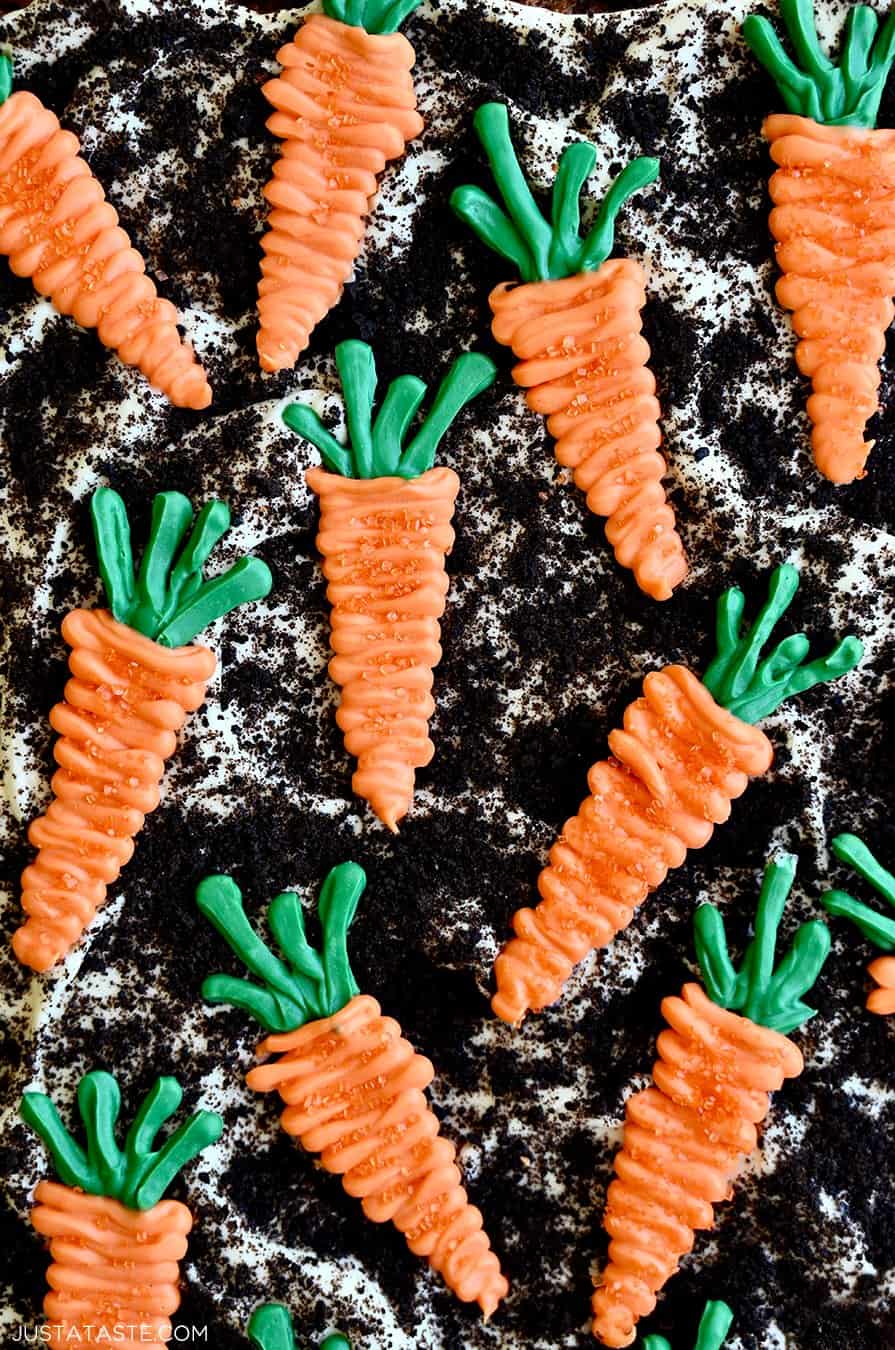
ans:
x=354 y=1089
x=834 y=205
x=686 y=750
x=385 y=530
x=725 y=1048
x=877 y=928
x=132 y=685
x=713 y=1328
x=116 y=1243
x=270 y=1328
x=575 y=326
x=378 y=446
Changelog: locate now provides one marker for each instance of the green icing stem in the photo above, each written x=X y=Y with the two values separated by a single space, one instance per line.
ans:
x=376 y=447
x=270 y=1328
x=169 y=600
x=375 y=16
x=713 y=1328
x=137 y=1176
x=878 y=929
x=6 y=73
x=544 y=250
x=767 y=993
x=846 y=93
x=752 y=688
x=308 y=984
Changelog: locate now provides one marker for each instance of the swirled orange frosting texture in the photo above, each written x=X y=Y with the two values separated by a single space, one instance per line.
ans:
x=882 y=999
x=684 y=1143
x=355 y=1093
x=675 y=767
x=344 y=106
x=384 y=542
x=57 y=228
x=834 y=222
x=583 y=362
x=126 y=700
x=115 y=1271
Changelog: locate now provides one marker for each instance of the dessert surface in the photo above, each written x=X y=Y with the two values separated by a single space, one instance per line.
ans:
x=545 y=638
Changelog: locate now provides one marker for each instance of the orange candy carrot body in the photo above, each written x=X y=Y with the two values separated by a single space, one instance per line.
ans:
x=583 y=362
x=684 y=1143
x=882 y=999
x=384 y=542
x=344 y=106
x=123 y=707
x=834 y=222
x=57 y=228
x=115 y=1270
x=355 y=1093
x=673 y=772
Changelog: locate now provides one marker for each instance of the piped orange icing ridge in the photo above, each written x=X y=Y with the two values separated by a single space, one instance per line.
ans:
x=684 y=1143
x=57 y=228
x=834 y=222
x=355 y=1093
x=673 y=772
x=115 y=1270
x=583 y=362
x=882 y=999
x=127 y=699
x=344 y=106
x=384 y=542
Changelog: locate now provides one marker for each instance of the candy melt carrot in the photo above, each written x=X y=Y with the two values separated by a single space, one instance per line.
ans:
x=880 y=930
x=575 y=326
x=713 y=1328
x=833 y=219
x=344 y=106
x=687 y=750
x=354 y=1089
x=57 y=228
x=385 y=528
x=686 y=1137
x=116 y=1244
x=270 y=1328
x=132 y=687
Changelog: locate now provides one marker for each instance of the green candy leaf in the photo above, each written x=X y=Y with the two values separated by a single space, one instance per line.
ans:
x=877 y=928
x=846 y=93
x=713 y=1328
x=768 y=994
x=752 y=687
x=6 y=74
x=270 y=1328
x=375 y=16
x=138 y=1176
x=716 y=1322
x=169 y=601
x=543 y=250
x=309 y=984
x=376 y=448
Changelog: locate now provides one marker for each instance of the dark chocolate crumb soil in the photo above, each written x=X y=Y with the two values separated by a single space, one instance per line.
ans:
x=545 y=642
